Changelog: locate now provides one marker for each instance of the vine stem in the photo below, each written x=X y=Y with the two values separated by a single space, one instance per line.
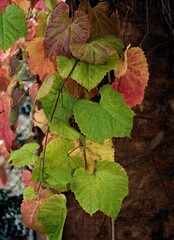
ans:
x=85 y=158
x=51 y=119
x=112 y=229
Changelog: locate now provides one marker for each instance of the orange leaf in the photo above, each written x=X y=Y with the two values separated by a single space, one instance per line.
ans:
x=6 y=133
x=37 y=61
x=132 y=84
x=23 y=4
x=3 y=177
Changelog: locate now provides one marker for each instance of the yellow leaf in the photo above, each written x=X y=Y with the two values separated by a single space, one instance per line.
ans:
x=121 y=68
x=94 y=152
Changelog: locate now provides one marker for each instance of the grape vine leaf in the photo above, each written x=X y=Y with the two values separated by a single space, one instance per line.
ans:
x=100 y=21
x=30 y=210
x=42 y=18
x=64 y=130
x=76 y=90
x=52 y=215
x=23 y=4
x=87 y=75
x=25 y=155
x=38 y=63
x=50 y=4
x=6 y=133
x=26 y=179
x=98 y=50
x=48 y=98
x=29 y=193
x=132 y=84
x=4 y=79
x=57 y=164
x=33 y=3
x=121 y=69
x=111 y=117
x=61 y=30
x=13 y=26
x=93 y=193
x=40 y=120
x=4 y=4
x=3 y=176
x=94 y=152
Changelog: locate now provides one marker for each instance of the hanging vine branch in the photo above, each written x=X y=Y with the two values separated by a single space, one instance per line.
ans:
x=72 y=50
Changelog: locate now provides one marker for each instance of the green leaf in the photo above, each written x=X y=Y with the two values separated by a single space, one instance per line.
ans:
x=58 y=165
x=64 y=130
x=25 y=155
x=58 y=178
x=29 y=193
x=104 y=190
x=42 y=18
x=112 y=117
x=87 y=75
x=51 y=4
x=48 y=94
x=52 y=215
x=13 y=25
x=57 y=153
x=98 y=50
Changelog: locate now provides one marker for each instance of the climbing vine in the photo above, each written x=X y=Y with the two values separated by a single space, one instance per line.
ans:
x=86 y=82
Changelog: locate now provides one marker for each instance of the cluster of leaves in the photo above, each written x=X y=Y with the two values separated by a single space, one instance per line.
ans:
x=71 y=49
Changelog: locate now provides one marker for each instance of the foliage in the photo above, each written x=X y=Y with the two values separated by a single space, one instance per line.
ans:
x=73 y=50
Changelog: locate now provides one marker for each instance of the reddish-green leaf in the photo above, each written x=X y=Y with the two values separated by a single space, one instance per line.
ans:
x=98 y=50
x=26 y=179
x=61 y=30
x=6 y=133
x=30 y=210
x=132 y=84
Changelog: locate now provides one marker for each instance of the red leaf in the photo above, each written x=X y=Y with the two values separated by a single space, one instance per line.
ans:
x=61 y=30
x=26 y=179
x=132 y=84
x=37 y=61
x=41 y=6
x=33 y=3
x=4 y=4
x=6 y=133
x=4 y=79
